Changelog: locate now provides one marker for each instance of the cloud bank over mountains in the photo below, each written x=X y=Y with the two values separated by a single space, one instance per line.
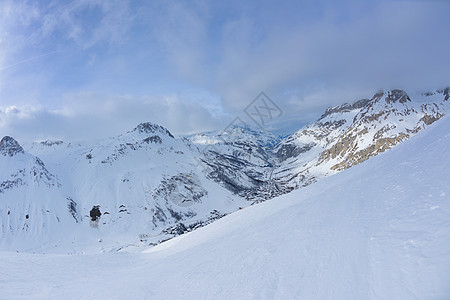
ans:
x=79 y=68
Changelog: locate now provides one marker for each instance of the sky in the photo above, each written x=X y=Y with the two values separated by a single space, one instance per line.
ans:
x=87 y=69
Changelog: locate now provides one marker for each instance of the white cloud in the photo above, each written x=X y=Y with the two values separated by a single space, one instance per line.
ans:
x=349 y=47
x=90 y=116
x=323 y=53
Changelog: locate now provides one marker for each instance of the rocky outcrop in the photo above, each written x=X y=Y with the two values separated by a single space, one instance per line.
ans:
x=379 y=126
x=397 y=96
x=360 y=156
x=10 y=147
x=287 y=151
x=30 y=169
x=346 y=107
x=350 y=134
x=49 y=143
x=150 y=128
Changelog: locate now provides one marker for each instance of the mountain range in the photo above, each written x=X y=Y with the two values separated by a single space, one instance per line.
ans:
x=146 y=186
x=378 y=230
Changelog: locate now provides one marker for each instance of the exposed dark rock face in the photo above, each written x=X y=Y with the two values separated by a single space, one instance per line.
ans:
x=346 y=107
x=72 y=206
x=287 y=151
x=153 y=139
x=397 y=96
x=9 y=184
x=150 y=128
x=10 y=147
x=51 y=143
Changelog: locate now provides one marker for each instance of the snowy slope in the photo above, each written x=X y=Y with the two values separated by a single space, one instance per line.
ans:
x=237 y=157
x=380 y=230
x=149 y=186
x=349 y=134
x=144 y=182
x=34 y=208
x=259 y=166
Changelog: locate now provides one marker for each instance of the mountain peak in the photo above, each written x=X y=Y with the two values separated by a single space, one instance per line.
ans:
x=152 y=128
x=447 y=94
x=346 y=107
x=9 y=146
x=397 y=96
x=50 y=143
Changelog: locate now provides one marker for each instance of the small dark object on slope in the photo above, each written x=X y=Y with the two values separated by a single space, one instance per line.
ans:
x=95 y=213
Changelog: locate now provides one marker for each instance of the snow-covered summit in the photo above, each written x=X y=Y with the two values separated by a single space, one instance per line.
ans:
x=150 y=128
x=10 y=147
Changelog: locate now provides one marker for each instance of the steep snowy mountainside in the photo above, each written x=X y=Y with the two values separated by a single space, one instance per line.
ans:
x=147 y=185
x=241 y=142
x=33 y=205
x=387 y=120
x=350 y=134
x=237 y=157
x=302 y=148
x=258 y=165
x=379 y=230
x=22 y=167
x=10 y=147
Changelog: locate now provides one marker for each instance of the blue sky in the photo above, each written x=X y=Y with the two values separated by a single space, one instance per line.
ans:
x=88 y=69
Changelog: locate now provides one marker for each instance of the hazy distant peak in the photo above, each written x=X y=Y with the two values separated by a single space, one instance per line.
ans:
x=50 y=143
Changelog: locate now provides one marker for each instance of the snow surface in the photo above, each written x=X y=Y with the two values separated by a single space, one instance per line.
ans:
x=380 y=230
x=138 y=183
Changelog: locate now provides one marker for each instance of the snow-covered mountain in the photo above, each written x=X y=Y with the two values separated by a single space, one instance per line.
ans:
x=259 y=166
x=379 y=230
x=132 y=186
x=33 y=205
x=146 y=186
x=237 y=157
x=349 y=134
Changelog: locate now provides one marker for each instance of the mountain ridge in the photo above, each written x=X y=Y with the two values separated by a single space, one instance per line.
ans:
x=150 y=186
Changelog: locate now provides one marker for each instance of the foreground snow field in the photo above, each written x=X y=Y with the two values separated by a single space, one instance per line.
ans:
x=380 y=230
